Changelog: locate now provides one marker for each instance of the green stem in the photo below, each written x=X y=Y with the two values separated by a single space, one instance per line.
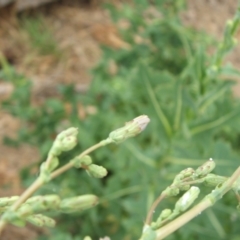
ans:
x=152 y=209
x=207 y=202
x=158 y=109
x=70 y=164
x=38 y=182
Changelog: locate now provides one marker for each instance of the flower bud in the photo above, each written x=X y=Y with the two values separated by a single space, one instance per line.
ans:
x=78 y=204
x=131 y=129
x=164 y=214
x=8 y=201
x=65 y=141
x=187 y=199
x=148 y=233
x=96 y=171
x=41 y=220
x=171 y=191
x=183 y=174
x=185 y=187
x=81 y=161
x=53 y=163
x=38 y=204
x=206 y=168
x=87 y=238
x=213 y=180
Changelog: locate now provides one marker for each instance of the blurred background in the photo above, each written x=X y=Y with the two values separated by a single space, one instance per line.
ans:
x=97 y=64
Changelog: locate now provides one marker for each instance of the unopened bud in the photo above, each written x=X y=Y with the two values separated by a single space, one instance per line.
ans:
x=213 y=180
x=185 y=187
x=164 y=214
x=187 y=199
x=171 y=191
x=148 y=233
x=41 y=220
x=52 y=164
x=81 y=161
x=77 y=204
x=87 y=238
x=38 y=204
x=65 y=141
x=96 y=171
x=131 y=129
x=8 y=201
x=183 y=174
x=206 y=168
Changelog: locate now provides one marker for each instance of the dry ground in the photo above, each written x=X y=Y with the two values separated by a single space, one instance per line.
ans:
x=79 y=30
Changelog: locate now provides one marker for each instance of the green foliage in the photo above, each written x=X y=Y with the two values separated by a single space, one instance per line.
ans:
x=168 y=76
x=40 y=35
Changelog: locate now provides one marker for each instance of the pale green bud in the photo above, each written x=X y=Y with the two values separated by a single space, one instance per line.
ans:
x=164 y=214
x=183 y=174
x=184 y=187
x=8 y=201
x=38 y=204
x=44 y=173
x=206 y=168
x=87 y=238
x=148 y=233
x=53 y=163
x=41 y=220
x=81 y=161
x=13 y=217
x=171 y=191
x=78 y=204
x=65 y=141
x=131 y=129
x=96 y=171
x=187 y=199
x=213 y=180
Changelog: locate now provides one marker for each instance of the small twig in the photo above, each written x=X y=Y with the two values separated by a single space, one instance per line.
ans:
x=152 y=209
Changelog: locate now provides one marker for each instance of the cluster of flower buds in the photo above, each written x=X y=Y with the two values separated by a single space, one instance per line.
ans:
x=181 y=205
x=92 y=169
x=199 y=175
x=32 y=209
x=8 y=201
x=65 y=141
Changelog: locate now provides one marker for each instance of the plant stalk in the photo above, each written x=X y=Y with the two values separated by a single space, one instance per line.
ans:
x=38 y=183
x=207 y=202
